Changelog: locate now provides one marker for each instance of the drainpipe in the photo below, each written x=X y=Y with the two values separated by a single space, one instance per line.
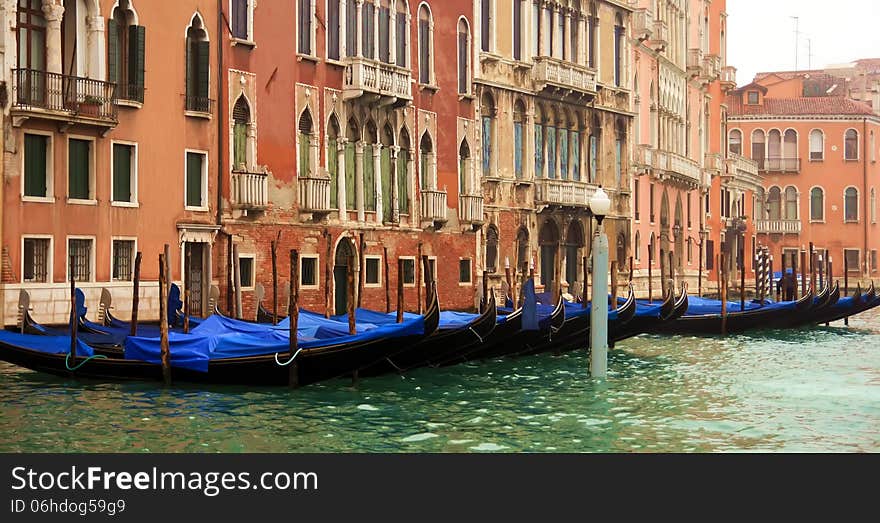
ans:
x=220 y=169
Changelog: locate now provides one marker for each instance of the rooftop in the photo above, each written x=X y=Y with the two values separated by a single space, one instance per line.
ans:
x=804 y=106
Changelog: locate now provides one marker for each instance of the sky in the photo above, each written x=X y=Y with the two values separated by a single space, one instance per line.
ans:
x=761 y=34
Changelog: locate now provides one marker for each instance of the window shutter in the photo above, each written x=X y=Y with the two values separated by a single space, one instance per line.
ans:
x=402 y=181
x=239 y=145
x=369 y=180
x=136 y=52
x=121 y=173
x=350 y=159
x=35 y=165
x=204 y=66
x=193 y=179
x=240 y=19
x=113 y=51
x=190 y=72
x=424 y=65
x=333 y=168
x=78 y=165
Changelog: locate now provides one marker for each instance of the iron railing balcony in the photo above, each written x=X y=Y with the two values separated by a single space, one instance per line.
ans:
x=130 y=93
x=55 y=96
x=778 y=226
x=563 y=193
x=386 y=83
x=250 y=190
x=562 y=77
x=782 y=165
x=199 y=104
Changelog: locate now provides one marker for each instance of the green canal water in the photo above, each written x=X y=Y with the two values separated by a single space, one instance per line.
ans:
x=811 y=390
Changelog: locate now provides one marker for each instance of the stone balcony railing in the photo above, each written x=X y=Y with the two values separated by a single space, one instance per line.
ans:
x=562 y=76
x=250 y=190
x=314 y=194
x=660 y=34
x=777 y=226
x=695 y=61
x=470 y=208
x=643 y=23
x=728 y=77
x=433 y=205
x=711 y=66
x=368 y=77
x=741 y=164
x=781 y=165
x=565 y=193
x=713 y=162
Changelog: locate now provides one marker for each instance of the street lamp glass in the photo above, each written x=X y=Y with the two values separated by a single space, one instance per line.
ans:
x=599 y=203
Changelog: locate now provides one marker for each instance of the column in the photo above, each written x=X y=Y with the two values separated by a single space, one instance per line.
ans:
x=566 y=41
x=360 y=53
x=395 y=197
x=583 y=39
x=340 y=177
x=53 y=14
x=377 y=179
x=392 y=33
x=376 y=38
x=96 y=67
x=343 y=32
x=359 y=179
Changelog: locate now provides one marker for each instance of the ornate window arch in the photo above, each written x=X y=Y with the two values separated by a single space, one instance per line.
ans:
x=126 y=46
x=464 y=56
x=198 y=66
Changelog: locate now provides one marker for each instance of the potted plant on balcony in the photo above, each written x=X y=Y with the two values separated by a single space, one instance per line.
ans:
x=90 y=106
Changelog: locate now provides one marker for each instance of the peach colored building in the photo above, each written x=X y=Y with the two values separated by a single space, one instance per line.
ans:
x=818 y=157
x=110 y=140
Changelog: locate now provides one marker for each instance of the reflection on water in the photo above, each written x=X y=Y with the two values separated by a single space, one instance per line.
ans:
x=805 y=390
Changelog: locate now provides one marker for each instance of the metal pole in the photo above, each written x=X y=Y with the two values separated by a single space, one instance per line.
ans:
x=599 y=312
x=135 y=297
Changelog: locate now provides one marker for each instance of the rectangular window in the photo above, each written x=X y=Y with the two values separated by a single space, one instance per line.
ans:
x=575 y=156
x=536 y=29
x=304 y=40
x=464 y=271
x=424 y=50
x=689 y=210
x=710 y=255
x=539 y=152
x=384 y=36
x=79 y=258
x=123 y=259
x=333 y=29
x=367 y=42
x=874 y=260
x=852 y=259
x=246 y=271
x=372 y=274
x=36 y=173
x=651 y=202
x=594 y=157
x=308 y=272
x=563 y=153
x=636 y=199
x=551 y=152
x=432 y=266
x=240 y=19
x=518 y=149
x=409 y=271
x=517 y=29
x=124 y=159
x=753 y=97
x=36 y=260
x=78 y=169
x=195 y=179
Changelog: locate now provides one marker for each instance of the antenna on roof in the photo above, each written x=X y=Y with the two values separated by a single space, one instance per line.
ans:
x=796 y=33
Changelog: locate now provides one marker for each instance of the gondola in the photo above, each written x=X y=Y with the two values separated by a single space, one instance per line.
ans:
x=847 y=306
x=314 y=362
x=772 y=316
x=649 y=316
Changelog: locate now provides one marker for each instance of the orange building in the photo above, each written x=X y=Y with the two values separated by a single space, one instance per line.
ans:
x=110 y=146
x=818 y=157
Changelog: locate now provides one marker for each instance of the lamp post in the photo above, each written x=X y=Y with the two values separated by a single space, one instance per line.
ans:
x=599 y=205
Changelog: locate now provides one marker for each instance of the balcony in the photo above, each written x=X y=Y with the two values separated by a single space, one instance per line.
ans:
x=728 y=77
x=314 y=195
x=695 y=61
x=659 y=36
x=383 y=83
x=563 y=193
x=434 y=206
x=470 y=208
x=782 y=165
x=713 y=163
x=250 y=190
x=670 y=165
x=777 y=226
x=711 y=67
x=643 y=24
x=198 y=106
x=561 y=78
x=741 y=165
x=67 y=99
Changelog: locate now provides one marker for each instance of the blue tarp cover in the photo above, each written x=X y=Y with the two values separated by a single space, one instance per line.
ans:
x=48 y=344
x=448 y=319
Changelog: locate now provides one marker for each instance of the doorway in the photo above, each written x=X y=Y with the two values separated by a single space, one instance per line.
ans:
x=194 y=276
x=345 y=253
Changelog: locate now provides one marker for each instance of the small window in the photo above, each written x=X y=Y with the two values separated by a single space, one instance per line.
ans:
x=852 y=259
x=491 y=248
x=124 y=160
x=36 y=260
x=464 y=52
x=304 y=28
x=36 y=173
x=372 y=274
x=851 y=145
x=873 y=260
x=308 y=272
x=198 y=65
x=409 y=271
x=126 y=46
x=851 y=205
x=79 y=259
x=196 y=175
x=817 y=204
x=735 y=141
x=241 y=14
x=753 y=97
x=246 y=271
x=817 y=145
x=464 y=271
x=79 y=156
x=123 y=256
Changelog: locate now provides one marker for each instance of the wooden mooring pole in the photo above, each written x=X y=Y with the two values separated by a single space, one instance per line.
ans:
x=74 y=321
x=700 y=271
x=163 y=319
x=328 y=273
x=136 y=294
x=387 y=282
x=400 y=263
x=650 y=273
x=803 y=271
x=812 y=255
x=613 y=284
x=742 y=276
x=352 y=327
x=429 y=279
x=419 y=277
x=585 y=300
x=275 y=282
x=485 y=300
x=722 y=275
x=845 y=283
x=293 y=317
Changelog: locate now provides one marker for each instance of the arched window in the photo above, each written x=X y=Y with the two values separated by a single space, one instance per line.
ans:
x=333 y=161
x=31 y=31
x=241 y=120
x=851 y=204
x=637 y=247
x=817 y=145
x=464 y=161
x=758 y=151
x=368 y=29
x=401 y=37
x=774 y=200
x=486 y=24
x=789 y=151
x=426 y=155
x=305 y=141
x=851 y=145
x=539 y=144
x=305 y=27
x=575 y=31
x=198 y=61
x=426 y=45
x=619 y=35
x=403 y=172
x=464 y=53
x=774 y=149
x=536 y=28
x=592 y=35
x=550 y=144
x=652 y=254
x=548 y=239
x=371 y=150
x=519 y=144
x=791 y=203
x=575 y=147
x=125 y=53
x=353 y=136
x=562 y=140
x=595 y=141
x=517 y=29
x=487 y=110
x=491 y=248
x=385 y=31
x=351 y=28
x=734 y=141
x=385 y=178
x=817 y=204
x=333 y=28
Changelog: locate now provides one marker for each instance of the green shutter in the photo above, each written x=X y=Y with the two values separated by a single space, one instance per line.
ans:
x=402 y=178
x=35 y=165
x=350 y=176
x=136 y=46
x=333 y=168
x=303 y=155
x=204 y=66
x=385 y=165
x=113 y=51
x=78 y=169
x=121 y=173
x=369 y=180
x=239 y=145
x=190 y=71
x=194 y=180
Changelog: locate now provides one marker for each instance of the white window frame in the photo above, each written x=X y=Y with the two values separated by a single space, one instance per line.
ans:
x=50 y=168
x=469 y=88
x=742 y=140
x=92 y=199
x=50 y=258
x=317 y=258
x=313 y=24
x=859 y=268
x=249 y=40
x=432 y=261
x=858 y=145
x=92 y=262
x=810 y=146
x=469 y=283
x=373 y=257
x=822 y=220
x=134 y=175
x=133 y=254
x=198 y=114
x=205 y=170
x=858 y=205
x=415 y=267
x=252 y=257
x=432 y=80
